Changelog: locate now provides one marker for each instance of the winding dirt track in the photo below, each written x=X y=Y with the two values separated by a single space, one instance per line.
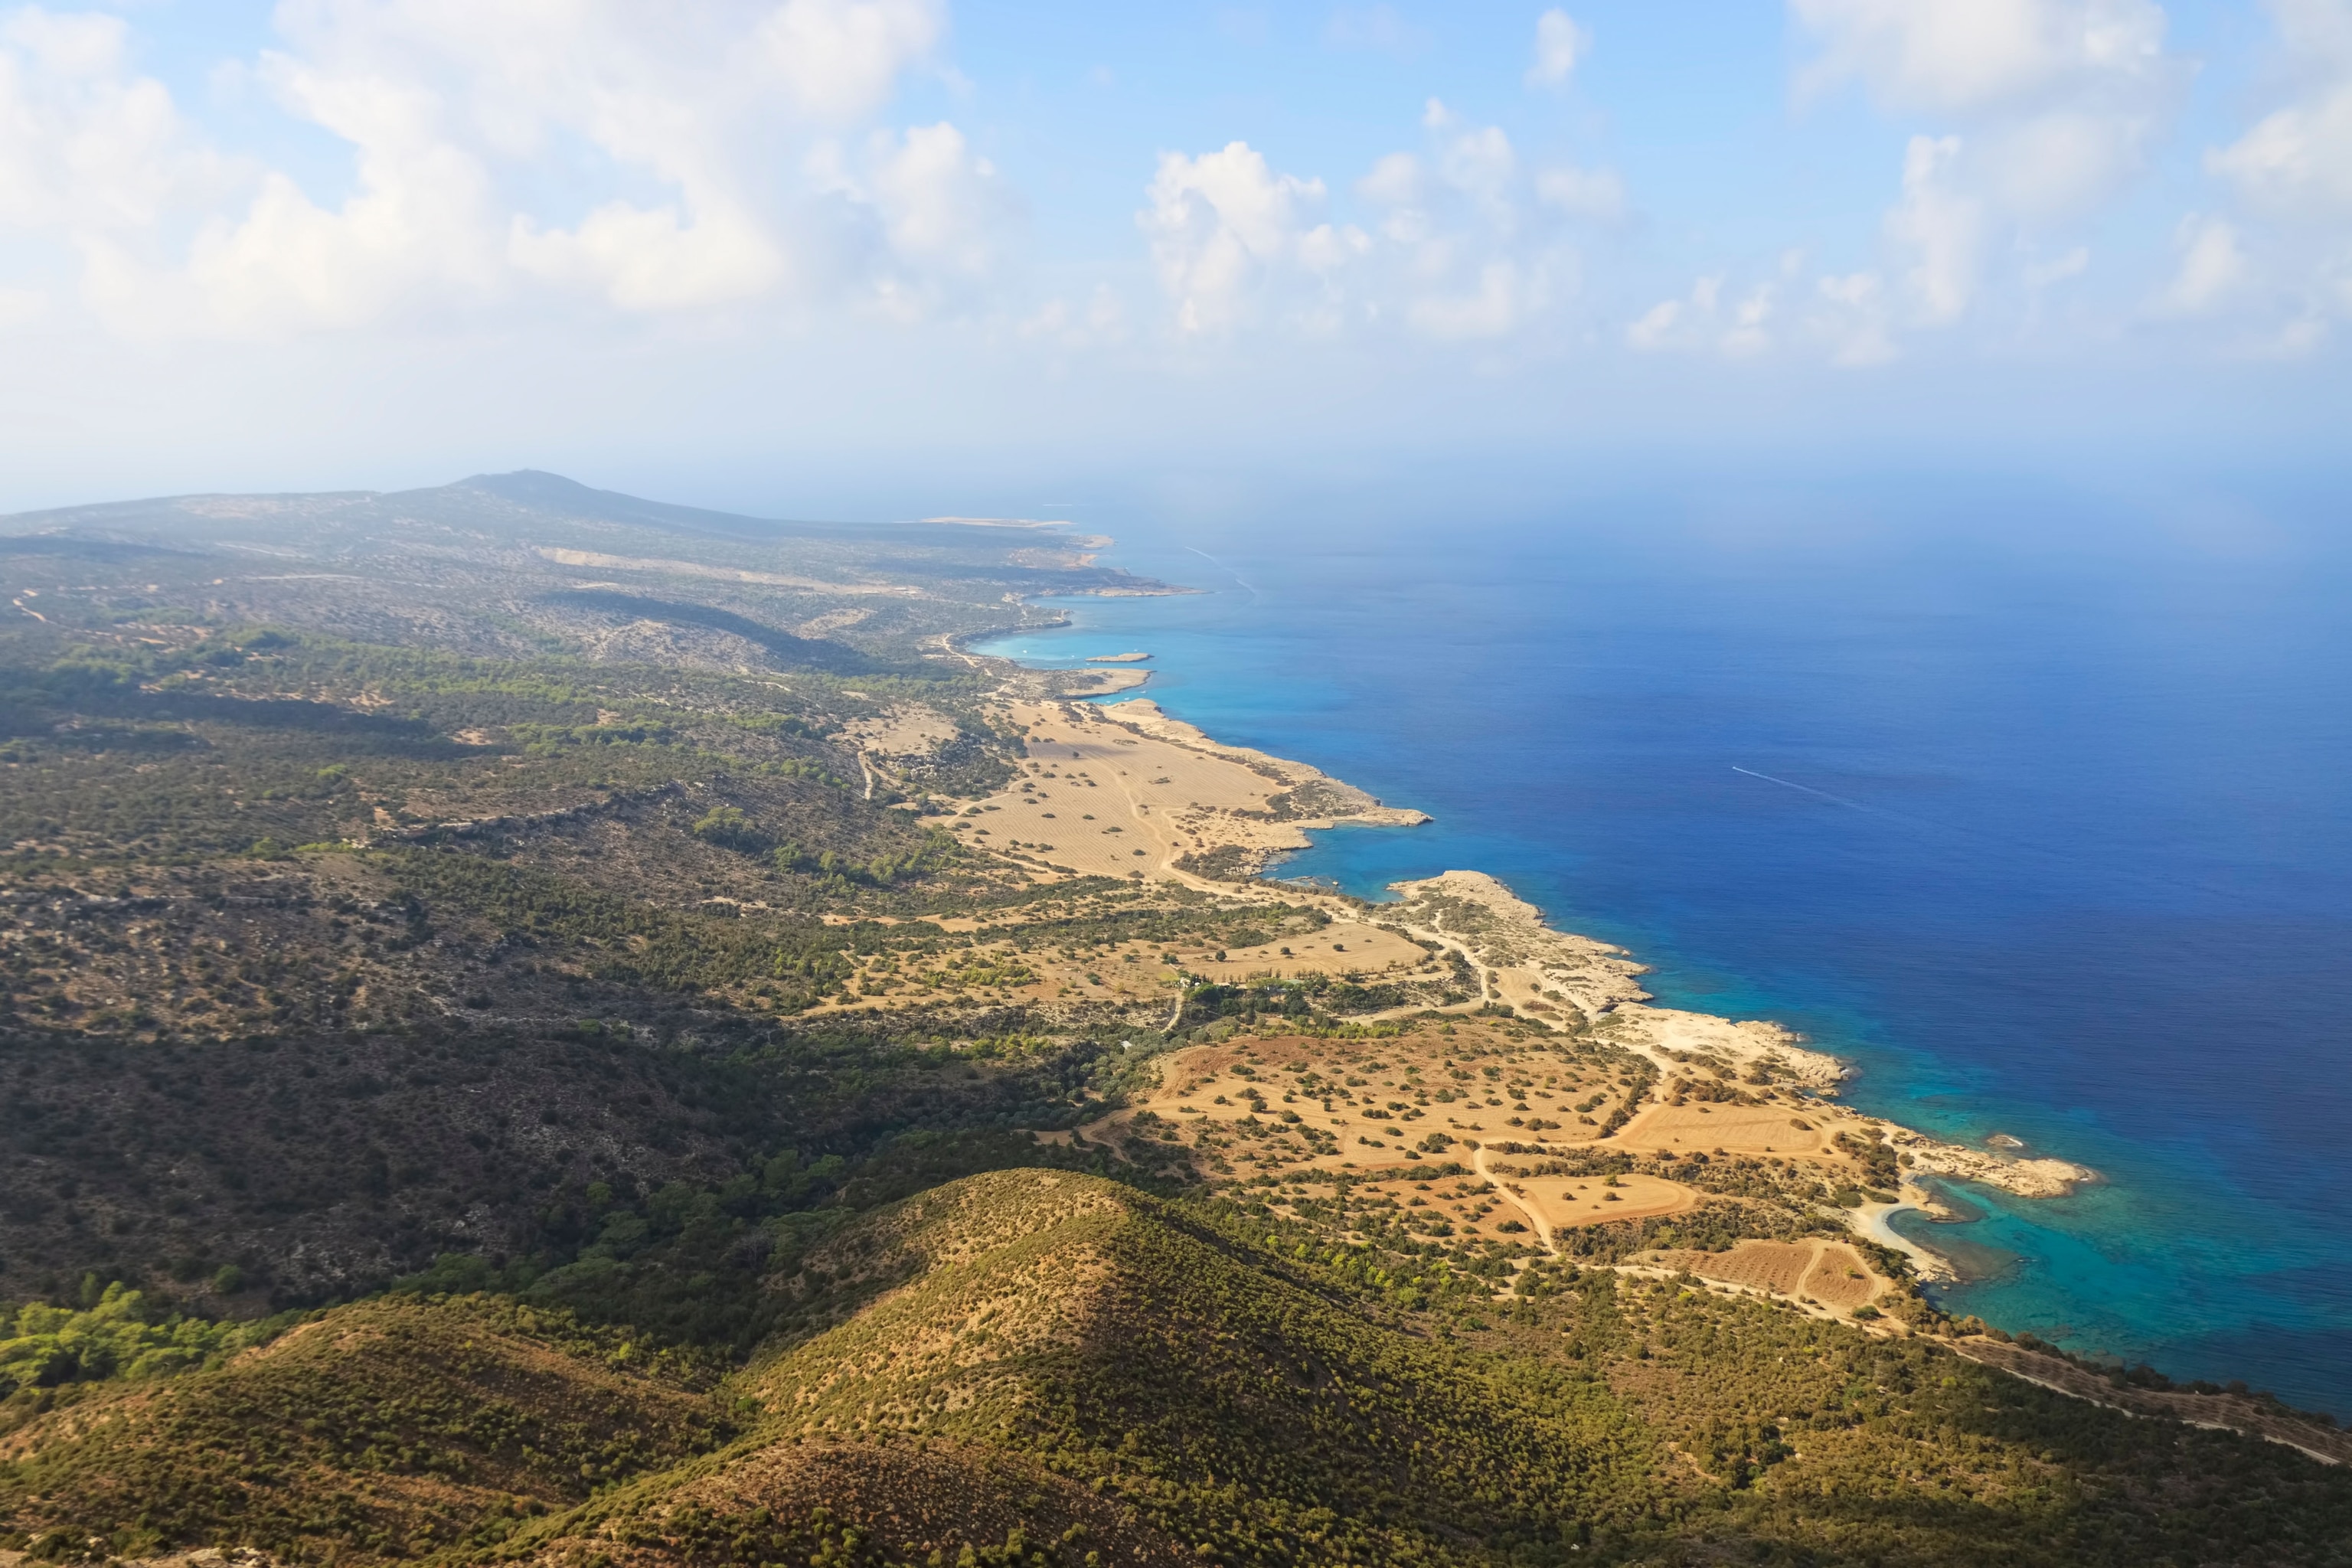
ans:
x=1554 y=1203
x=1482 y=1162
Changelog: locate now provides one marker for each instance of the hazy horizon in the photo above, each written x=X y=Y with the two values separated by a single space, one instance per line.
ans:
x=748 y=258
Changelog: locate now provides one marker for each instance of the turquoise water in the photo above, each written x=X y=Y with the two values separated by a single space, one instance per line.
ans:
x=2043 y=824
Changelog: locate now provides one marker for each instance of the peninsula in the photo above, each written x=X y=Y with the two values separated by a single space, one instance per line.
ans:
x=1120 y=788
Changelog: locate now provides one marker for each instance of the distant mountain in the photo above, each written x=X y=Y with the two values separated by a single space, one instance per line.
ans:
x=525 y=497
x=554 y=494
x=491 y=560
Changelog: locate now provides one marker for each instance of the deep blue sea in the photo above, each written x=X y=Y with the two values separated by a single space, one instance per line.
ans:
x=2045 y=823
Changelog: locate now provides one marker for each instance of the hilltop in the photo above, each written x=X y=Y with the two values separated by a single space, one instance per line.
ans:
x=381 y=1431
x=1038 y=1366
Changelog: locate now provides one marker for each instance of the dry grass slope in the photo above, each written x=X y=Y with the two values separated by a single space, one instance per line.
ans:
x=1226 y=1401
x=1044 y=1368
x=841 y=1503
x=375 y=1432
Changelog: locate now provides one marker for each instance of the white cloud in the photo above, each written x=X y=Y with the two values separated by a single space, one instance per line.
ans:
x=2301 y=336
x=1501 y=300
x=2296 y=159
x=462 y=122
x=1654 y=328
x=1458 y=242
x=1677 y=323
x=643 y=259
x=2212 y=267
x=2043 y=109
x=422 y=219
x=2062 y=99
x=1102 y=320
x=1396 y=181
x=1700 y=323
x=2295 y=162
x=2043 y=274
x=2053 y=166
x=1561 y=47
x=86 y=145
x=1597 y=195
x=1847 y=318
x=1472 y=250
x=1960 y=56
x=1851 y=317
x=1938 y=229
x=839 y=60
x=1750 y=332
x=2276 y=267
x=941 y=204
x=1482 y=166
x=1380 y=27
x=2040 y=109
x=1226 y=232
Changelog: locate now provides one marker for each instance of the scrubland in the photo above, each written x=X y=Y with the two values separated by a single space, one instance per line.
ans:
x=543 y=1027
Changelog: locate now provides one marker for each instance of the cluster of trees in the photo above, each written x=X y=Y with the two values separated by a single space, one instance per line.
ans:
x=1879 y=1161
x=117 y=1332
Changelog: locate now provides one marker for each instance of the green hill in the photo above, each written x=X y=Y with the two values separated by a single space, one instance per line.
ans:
x=1258 y=1408
x=374 y=1433
x=1246 y=1410
x=1046 y=1367
x=868 y=1504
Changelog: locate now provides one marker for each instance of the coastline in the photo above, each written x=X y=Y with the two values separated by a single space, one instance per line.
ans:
x=1606 y=803
x=1733 y=1094
x=1186 y=808
x=1552 y=977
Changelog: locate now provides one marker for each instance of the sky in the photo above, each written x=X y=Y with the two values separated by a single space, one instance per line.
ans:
x=875 y=254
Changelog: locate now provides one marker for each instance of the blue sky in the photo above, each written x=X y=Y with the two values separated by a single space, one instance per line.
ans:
x=736 y=246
